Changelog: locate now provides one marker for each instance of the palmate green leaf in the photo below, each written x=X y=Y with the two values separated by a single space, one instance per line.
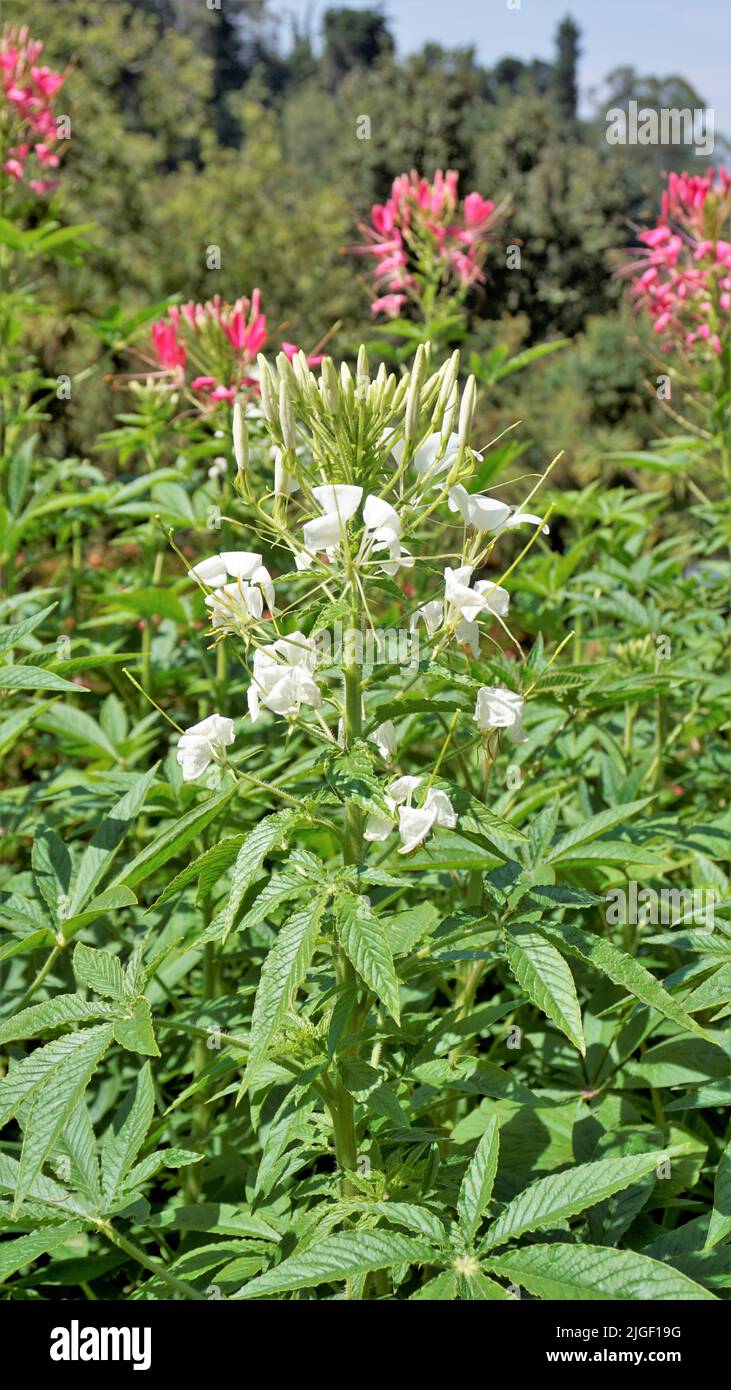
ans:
x=478 y=1287
x=35 y=678
x=354 y=780
x=16 y=1254
x=126 y=1134
x=363 y=938
x=550 y=1201
x=173 y=839
x=53 y=1102
x=477 y=1183
x=623 y=970
x=79 y=727
x=100 y=852
x=544 y=975
x=53 y=1013
x=338 y=1257
x=720 y=1223
x=281 y=976
x=596 y=825
x=583 y=1272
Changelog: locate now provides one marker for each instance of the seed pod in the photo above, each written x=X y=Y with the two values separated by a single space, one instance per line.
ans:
x=286 y=416
x=467 y=410
x=241 y=439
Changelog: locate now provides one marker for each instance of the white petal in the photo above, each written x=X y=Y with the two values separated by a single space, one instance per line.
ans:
x=486 y=513
x=414 y=825
x=497 y=600
x=240 y=564
x=340 y=498
x=381 y=517
x=263 y=579
x=193 y=756
x=528 y=519
x=403 y=789
x=377 y=828
x=212 y=572
x=497 y=708
x=384 y=738
x=468 y=635
x=438 y=802
x=323 y=532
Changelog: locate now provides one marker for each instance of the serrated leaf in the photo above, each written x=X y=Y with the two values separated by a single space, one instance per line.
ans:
x=35 y=678
x=53 y=1013
x=10 y=635
x=136 y=1033
x=720 y=1223
x=173 y=839
x=544 y=975
x=281 y=976
x=583 y=1272
x=126 y=1134
x=477 y=1183
x=336 y=1258
x=217 y=858
x=53 y=1103
x=551 y=1200
x=100 y=852
x=100 y=971
x=624 y=970
x=16 y=1254
x=594 y=826
x=264 y=837
x=363 y=938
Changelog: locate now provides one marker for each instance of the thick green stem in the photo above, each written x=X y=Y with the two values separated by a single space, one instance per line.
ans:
x=341 y=1106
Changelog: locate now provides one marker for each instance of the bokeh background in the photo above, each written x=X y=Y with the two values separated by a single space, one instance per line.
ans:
x=236 y=126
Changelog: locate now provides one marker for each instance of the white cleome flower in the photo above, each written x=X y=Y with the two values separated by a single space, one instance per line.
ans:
x=203 y=744
x=283 y=677
x=383 y=533
x=236 y=564
x=434 y=457
x=432 y=615
x=498 y=708
x=339 y=503
x=476 y=509
x=414 y=822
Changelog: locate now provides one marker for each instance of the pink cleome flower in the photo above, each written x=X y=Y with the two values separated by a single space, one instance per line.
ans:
x=27 y=91
x=421 y=236
x=683 y=279
x=221 y=339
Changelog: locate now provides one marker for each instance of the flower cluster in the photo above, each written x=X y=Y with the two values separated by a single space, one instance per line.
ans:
x=212 y=347
x=360 y=464
x=421 y=238
x=28 y=91
x=684 y=276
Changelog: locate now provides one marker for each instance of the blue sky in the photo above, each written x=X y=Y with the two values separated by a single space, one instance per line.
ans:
x=655 y=36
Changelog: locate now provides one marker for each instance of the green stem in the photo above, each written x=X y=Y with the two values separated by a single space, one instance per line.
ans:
x=153 y=1267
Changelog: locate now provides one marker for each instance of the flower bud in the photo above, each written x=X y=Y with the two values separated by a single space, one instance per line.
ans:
x=467 y=410
x=414 y=397
x=450 y=372
x=268 y=390
x=329 y=385
x=241 y=439
x=362 y=373
x=286 y=416
x=450 y=412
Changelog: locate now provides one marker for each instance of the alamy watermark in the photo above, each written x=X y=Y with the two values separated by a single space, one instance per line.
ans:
x=367 y=647
x=668 y=126
x=663 y=907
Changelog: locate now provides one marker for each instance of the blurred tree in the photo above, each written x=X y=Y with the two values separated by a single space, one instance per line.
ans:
x=565 y=82
x=353 y=39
